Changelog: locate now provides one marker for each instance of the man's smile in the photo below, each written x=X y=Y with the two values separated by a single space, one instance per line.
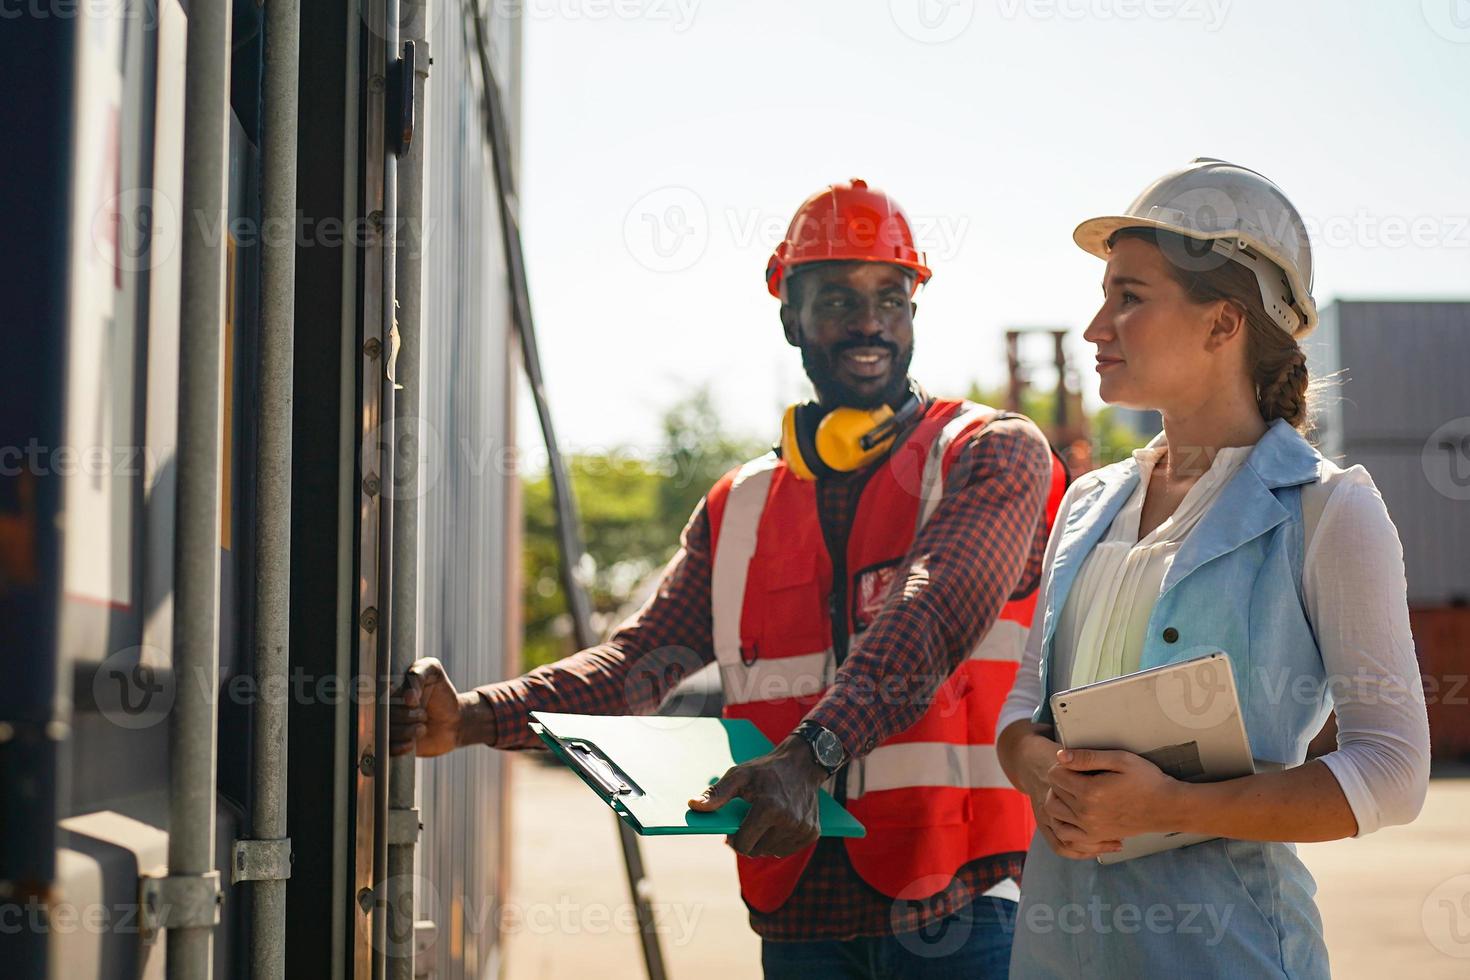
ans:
x=866 y=363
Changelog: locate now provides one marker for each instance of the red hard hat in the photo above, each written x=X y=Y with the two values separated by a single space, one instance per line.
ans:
x=847 y=222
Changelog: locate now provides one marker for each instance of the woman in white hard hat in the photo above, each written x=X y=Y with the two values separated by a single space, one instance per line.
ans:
x=1228 y=531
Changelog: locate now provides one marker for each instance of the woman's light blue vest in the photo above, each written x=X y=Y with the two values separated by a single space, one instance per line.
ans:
x=1221 y=908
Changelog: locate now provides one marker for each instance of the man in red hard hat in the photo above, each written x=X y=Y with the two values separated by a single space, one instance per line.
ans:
x=866 y=590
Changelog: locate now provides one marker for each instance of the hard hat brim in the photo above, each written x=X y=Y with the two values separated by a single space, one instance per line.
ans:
x=1092 y=237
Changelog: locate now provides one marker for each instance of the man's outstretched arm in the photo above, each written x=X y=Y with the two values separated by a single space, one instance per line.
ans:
x=665 y=641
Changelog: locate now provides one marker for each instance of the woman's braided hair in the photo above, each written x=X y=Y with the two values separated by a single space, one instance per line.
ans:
x=1277 y=363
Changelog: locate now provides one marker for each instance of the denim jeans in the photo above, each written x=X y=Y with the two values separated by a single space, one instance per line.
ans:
x=974 y=944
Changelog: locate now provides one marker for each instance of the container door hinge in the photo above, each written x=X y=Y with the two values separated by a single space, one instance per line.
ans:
x=403 y=825
x=179 y=901
x=402 y=107
x=261 y=860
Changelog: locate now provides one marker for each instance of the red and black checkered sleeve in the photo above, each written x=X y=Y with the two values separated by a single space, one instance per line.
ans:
x=982 y=546
x=666 y=640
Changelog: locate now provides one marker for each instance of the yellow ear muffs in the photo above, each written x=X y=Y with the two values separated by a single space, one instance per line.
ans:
x=791 y=446
x=846 y=439
x=840 y=442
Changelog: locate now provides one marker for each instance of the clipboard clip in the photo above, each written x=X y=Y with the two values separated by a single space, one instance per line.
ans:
x=586 y=757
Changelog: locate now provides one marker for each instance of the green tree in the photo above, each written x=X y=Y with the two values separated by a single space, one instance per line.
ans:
x=631 y=509
x=697 y=451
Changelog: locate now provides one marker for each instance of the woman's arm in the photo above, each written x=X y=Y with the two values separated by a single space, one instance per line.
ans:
x=1118 y=794
x=1026 y=749
x=1028 y=754
x=1354 y=587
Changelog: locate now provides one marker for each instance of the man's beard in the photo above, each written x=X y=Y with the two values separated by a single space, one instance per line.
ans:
x=832 y=392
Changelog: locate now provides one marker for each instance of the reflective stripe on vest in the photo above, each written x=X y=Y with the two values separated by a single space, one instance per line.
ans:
x=742 y=518
x=809 y=673
x=931 y=488
x=907 y=764
x=933 y=797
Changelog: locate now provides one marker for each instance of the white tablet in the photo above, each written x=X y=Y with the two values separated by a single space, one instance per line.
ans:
x=1183 y=717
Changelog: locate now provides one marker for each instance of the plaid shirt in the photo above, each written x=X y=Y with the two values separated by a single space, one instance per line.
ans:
x=982 y=546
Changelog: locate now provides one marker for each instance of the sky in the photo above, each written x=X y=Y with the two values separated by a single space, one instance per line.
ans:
x=666 y=144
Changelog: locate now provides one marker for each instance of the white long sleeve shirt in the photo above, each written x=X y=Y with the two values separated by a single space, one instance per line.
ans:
x=1356 y=596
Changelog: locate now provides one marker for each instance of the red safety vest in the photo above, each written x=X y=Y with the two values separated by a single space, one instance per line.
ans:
x=932 y=797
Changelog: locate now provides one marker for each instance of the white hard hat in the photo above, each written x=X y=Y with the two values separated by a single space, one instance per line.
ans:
x=1244 y=217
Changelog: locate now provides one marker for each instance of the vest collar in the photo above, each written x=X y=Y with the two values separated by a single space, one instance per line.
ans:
x=1245 y=509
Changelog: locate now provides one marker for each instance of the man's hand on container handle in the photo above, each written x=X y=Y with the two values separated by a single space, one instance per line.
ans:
x=424 y=713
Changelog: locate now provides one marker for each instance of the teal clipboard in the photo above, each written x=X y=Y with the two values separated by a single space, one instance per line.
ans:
x=648 y=768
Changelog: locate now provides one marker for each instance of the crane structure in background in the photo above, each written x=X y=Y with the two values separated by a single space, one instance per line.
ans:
x=1067 y=429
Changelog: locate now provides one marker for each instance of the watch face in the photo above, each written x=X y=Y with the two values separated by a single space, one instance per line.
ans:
x=829 y=752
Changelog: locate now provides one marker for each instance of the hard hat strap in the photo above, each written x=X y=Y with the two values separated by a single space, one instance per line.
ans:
x=1276 y=295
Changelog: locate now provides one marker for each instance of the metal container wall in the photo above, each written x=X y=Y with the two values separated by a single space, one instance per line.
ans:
x=468 y=519
x=1402 y=410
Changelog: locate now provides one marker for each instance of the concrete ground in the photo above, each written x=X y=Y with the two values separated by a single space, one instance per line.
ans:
x=1396 y=903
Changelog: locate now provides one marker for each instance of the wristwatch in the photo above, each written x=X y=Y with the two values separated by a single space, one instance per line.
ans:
x=826 y=749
